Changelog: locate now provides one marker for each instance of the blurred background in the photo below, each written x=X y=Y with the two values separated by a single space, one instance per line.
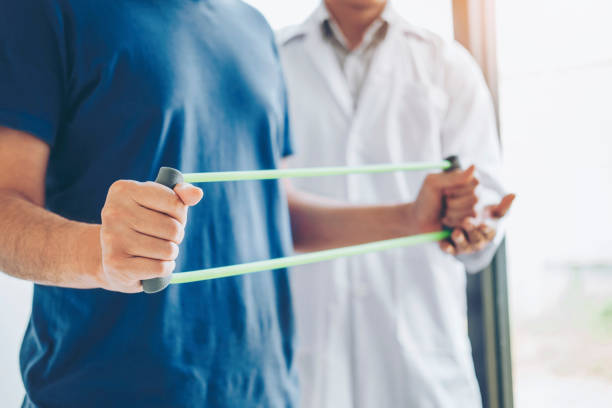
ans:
x=550 y=64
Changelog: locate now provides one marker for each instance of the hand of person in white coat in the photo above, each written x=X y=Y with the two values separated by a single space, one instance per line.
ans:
x=472 y=234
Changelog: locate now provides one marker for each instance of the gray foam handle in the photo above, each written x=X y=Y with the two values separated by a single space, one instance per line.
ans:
x=169 y=177
x=455 y=165
x=454 y=161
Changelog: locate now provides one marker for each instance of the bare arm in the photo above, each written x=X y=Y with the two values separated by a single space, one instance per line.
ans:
x=36 y=244
x=142 y=225
x=320 y=223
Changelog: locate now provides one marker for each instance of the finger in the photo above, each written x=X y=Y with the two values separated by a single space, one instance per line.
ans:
x=459 y=240
x=456 y=218
x=143 y=268
x=499 y=210
x=145 y=246
x=476 y=239
x=462 y=190
x=132 y=286
x=462 y=202
x=189 y=194
x=155 y=224
x=158 y=197
x=447 y=247
x=457 y=178
x=488 y=232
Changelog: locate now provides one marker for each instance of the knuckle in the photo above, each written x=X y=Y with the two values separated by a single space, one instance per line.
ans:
x=179 y=209
x=157 y=268
x=163 y=268
x=119 y=187
x=168 y=268
x=175 y=230
x=109 y=213
x=170 y=251
x=151 y=184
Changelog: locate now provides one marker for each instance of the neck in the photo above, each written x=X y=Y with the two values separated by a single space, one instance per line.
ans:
x=354 y=20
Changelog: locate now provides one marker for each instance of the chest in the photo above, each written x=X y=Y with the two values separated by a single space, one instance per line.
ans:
x=399 y=117
x=399 y=114
x=147 y=57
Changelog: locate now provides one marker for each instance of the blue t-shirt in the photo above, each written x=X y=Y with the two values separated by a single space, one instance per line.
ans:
x=118 y=89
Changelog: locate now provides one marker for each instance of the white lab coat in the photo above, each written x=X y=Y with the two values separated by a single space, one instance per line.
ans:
x=387 y=329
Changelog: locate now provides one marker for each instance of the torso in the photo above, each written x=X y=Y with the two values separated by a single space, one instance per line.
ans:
x=195 y=86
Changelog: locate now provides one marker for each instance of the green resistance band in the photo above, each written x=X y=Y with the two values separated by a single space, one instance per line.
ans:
x=312 y=172
x=308 y=258
x=171 y=177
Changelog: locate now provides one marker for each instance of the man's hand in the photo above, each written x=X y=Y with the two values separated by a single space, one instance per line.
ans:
x=472 y=236
x=142 y=227
x=430 y=205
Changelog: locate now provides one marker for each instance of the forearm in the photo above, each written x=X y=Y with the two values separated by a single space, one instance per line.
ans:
x=45 y=248
x=319 y=223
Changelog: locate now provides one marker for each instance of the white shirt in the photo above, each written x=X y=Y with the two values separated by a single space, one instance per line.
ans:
x=354 y=63
x=387 y=329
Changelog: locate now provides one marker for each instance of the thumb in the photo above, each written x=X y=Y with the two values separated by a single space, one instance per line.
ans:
x=499 y=210
x=188 y=193
x=457 y=178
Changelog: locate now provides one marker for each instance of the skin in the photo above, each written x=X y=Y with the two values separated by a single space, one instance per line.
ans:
x=353 y=18
x=319 y=223
x=143 y=223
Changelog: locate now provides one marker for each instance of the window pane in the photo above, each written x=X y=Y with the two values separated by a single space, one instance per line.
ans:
x=555 y=99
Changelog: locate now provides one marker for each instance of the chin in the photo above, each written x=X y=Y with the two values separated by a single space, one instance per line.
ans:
x=360 y=3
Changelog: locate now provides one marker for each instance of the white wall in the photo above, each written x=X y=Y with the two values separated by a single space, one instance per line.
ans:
x=15 y=305
x=15 y=296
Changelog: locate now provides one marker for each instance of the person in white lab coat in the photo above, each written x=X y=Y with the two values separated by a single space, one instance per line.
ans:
x=364 y=86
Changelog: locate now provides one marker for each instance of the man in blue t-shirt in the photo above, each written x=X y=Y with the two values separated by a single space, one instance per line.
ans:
x=94 y=92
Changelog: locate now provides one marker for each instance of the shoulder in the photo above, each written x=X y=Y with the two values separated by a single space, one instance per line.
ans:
x=253 y=19
x=444 y=57
x=290 y=34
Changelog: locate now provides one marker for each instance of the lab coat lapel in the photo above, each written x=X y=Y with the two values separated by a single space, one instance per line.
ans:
x=322 y=56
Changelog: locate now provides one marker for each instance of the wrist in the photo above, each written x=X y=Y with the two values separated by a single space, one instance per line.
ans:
x=407 y=220
x=88 y=255
x=416 y=222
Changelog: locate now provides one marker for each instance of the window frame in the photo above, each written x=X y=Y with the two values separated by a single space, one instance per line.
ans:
x=487 y=291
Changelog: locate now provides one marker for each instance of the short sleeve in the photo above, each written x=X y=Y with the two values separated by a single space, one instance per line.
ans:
x=32 y=69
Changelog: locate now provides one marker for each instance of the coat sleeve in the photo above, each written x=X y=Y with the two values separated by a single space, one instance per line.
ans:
x=469 y=130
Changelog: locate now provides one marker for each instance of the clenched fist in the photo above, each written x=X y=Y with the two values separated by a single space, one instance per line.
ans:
x=142 y=227
x=430 y=208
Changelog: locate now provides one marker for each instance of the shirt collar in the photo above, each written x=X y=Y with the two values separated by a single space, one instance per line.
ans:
x=324 y=20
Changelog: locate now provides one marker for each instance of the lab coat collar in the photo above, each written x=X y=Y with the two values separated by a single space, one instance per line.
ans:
x=312 y=33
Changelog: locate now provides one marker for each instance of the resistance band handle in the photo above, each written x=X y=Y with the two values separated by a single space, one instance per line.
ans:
x=169 y=177
x=454 y=163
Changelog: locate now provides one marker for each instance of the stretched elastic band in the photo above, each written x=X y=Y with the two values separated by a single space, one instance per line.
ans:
x=303 y=259
x=210 y=177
